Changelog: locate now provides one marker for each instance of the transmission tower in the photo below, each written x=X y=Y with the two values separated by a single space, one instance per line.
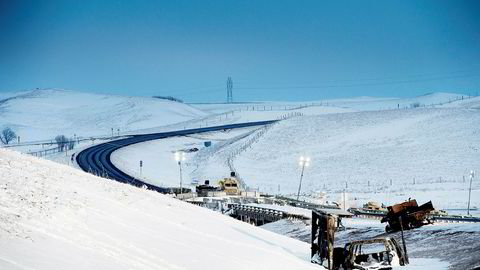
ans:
x=229 y=90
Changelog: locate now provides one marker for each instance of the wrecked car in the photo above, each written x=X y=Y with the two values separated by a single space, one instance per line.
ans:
x=380 y=253
x=370 y=254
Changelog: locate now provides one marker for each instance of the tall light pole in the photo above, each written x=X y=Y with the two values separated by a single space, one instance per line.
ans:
x=472 y=174
x=179 y=157
x=304 y=162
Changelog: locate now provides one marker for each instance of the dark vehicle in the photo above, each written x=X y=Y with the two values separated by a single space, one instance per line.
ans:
x=407 y=215
x=203 y=190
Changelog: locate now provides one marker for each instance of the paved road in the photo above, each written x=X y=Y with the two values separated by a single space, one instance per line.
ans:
x=96 y=159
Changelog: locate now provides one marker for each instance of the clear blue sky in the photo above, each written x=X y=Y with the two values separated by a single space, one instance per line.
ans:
x=274 y=50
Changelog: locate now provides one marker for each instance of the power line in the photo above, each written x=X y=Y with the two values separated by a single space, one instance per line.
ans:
x=329 y=84
x=464 y=73
x=356 y=84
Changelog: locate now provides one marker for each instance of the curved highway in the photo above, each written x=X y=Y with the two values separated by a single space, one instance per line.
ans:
x=96 y=159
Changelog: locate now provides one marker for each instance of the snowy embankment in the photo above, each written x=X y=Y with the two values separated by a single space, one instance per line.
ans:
x=56 y=217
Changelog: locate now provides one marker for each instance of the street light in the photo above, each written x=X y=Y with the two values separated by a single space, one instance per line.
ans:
x=304 y=162
x=472 y=174
x=179 y=157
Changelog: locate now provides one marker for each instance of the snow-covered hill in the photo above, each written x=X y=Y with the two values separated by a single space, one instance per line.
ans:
x=43 y=114
x=383 y=155
x=56 y=217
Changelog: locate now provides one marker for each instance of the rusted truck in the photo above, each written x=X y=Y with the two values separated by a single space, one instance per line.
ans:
x=407 y=215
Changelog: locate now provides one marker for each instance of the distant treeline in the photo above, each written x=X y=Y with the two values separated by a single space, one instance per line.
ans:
x=169 y=98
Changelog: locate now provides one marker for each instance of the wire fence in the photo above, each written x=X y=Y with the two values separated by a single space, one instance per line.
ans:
x=250 y=142
x=396 y=185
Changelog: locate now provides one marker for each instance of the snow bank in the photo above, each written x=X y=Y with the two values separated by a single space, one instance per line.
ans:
x=56 y=217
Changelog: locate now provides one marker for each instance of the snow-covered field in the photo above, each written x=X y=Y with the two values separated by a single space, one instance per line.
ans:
x=56 y=217
x=43 y=114
x=386 y=156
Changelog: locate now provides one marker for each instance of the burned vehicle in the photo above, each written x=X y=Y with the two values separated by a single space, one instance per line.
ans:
x=371 y=254
x=379 y=253
x=407 y=215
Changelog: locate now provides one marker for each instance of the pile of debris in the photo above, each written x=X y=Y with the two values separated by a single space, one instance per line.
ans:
x=407 y=215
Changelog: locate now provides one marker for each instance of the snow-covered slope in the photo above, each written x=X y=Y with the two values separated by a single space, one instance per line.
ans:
x=419 y=150
x=43 y=114
x=56 y=217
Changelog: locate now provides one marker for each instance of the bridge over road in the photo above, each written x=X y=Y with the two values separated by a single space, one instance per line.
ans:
x=259 y=214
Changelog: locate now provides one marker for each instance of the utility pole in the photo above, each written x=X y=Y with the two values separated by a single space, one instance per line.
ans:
x=229 y=90
x=472 y=174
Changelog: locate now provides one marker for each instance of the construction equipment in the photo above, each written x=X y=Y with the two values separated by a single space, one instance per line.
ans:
x=374 y=206
x=407 y=215
x=230 y=185
x=205 y=189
